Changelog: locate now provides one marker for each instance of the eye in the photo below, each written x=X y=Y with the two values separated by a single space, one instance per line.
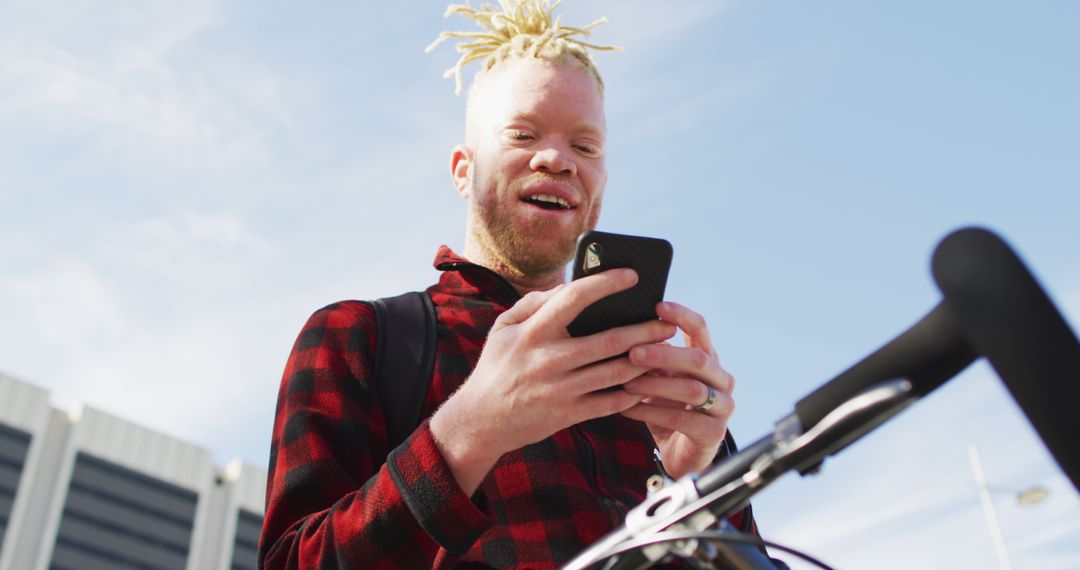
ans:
x=518 y=135
x=588 y=150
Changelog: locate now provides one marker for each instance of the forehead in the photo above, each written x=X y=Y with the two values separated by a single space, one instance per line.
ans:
x=537 y=90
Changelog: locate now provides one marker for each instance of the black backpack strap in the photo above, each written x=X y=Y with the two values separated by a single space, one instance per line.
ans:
x=404 y=359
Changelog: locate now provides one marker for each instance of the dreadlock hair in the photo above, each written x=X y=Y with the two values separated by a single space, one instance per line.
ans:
x=520 y=29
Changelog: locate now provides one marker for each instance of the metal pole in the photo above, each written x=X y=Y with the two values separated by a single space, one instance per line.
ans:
x=988 y=508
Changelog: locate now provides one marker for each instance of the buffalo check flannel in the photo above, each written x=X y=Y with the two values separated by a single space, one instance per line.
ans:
x=337 y=497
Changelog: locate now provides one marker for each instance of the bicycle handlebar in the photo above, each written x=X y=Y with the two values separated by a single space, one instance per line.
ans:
x=992 y=307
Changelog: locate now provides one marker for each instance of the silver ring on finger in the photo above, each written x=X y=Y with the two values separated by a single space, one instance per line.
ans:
x=709 y=401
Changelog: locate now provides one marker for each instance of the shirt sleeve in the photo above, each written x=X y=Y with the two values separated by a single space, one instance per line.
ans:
x=336 y=496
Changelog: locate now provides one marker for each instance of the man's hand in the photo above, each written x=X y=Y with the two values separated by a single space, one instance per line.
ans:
x=533 y=379
x=688 y=437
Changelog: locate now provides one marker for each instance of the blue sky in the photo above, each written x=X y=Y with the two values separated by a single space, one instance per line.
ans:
x=182 y=183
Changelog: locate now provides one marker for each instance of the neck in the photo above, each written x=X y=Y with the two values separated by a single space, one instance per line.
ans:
x=521 y=282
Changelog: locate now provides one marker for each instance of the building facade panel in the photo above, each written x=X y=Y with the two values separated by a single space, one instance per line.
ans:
x=76 y=557
x=106 y=504
x=24 y=415
x=134 y=520
x=14 y=445
x=129 y=487
x=9 y=476
x=91 y=537
x=243 y=515
x=87 y=490
x=246 y=542
x=22 y=406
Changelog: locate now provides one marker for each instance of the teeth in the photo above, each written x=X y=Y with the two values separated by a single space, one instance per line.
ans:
x=551 y=200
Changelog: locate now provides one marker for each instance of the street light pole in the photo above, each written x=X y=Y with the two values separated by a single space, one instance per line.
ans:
x=988 y=508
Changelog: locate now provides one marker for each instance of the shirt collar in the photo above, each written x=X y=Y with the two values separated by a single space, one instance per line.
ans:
x=464 y=278
x=446 y=259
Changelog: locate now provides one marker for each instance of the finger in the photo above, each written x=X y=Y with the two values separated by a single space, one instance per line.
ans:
x=659 y=433
x=691 y=323
x=685 y=391
x=526 y=307
x=606 y=403
x=603 y=375
x=699 y=427
x=658 y=401
x=613 y=342
x=692 y=362
x=568 y=303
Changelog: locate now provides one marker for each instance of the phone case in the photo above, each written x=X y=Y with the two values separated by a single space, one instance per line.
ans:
x=600 y=251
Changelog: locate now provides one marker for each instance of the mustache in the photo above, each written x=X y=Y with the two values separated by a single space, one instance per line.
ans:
x=538 y=177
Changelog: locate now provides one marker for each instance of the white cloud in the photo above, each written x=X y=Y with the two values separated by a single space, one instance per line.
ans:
x=181 y=323
x=133 y=91
x=62 y=306
x=195 y=252
x=156 y=322
x=196 y=212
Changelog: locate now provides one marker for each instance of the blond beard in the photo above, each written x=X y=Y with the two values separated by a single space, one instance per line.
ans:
x=513 y=247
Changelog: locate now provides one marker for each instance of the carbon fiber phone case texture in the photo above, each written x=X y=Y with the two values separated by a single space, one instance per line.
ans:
x=600 y=251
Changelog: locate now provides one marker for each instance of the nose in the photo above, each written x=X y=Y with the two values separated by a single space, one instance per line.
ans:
x=553 y=160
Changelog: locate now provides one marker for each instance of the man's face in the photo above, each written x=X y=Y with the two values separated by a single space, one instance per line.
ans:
x=536 y=135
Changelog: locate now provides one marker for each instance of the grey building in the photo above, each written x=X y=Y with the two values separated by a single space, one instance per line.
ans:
x=86 y=490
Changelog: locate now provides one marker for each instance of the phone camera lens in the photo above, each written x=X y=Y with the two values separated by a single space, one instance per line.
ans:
x=592 y=258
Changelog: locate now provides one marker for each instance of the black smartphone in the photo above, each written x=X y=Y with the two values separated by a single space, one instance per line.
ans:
x=601 y=251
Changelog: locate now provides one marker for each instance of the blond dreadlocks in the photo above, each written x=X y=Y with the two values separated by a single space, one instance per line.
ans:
x=519 y=29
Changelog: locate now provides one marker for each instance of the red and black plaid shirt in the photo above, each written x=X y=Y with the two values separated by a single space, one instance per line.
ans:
x=338 y=498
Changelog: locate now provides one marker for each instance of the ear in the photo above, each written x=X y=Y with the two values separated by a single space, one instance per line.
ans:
x=461 y=169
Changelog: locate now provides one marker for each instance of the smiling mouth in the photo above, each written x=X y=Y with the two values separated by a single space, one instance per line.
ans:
x=548 y=202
